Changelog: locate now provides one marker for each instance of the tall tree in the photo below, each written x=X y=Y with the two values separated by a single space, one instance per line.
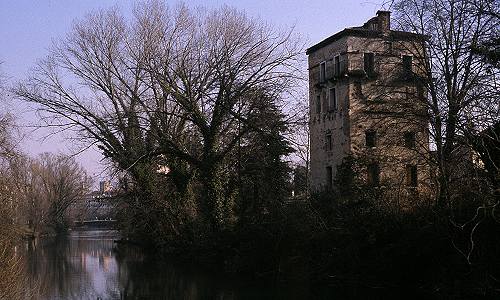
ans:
x=461 y=87
x=12 y=280
x=182 y=83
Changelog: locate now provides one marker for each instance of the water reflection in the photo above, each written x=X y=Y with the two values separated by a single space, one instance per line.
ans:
x=85 y=266
x=81 y=266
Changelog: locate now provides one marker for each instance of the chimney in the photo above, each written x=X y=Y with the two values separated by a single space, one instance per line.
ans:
x=384 y=20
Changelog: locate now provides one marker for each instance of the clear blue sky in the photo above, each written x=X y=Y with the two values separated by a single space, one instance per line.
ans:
x=28 y=27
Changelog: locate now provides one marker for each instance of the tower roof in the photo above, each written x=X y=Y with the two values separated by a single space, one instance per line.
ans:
x=378 y=26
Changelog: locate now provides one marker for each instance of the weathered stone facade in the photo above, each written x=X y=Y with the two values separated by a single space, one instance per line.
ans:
x=365 y=101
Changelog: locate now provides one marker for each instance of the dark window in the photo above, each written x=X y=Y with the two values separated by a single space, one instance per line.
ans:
x=371 y=138
x=318 y=104
x=337 y=65
x=329 y=177
x=333 y=105
x=369 y=64
x=407 y=65
x=322 y=71
x=358 y=90
x=373 y=174
x=411 y=176
x=409 y=138
x=409 y=94
x=420 y=92
x=329 y=142
x=388 y=46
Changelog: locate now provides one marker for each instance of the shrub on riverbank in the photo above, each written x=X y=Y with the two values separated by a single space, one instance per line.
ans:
x=13 y=282
x=358 y=243
x=353 y=239
x=336 y=241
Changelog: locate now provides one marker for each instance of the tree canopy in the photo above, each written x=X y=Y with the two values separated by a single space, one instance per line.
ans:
x=185 y=84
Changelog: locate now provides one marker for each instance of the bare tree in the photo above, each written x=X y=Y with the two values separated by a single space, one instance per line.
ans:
x=175 y=82
x=459 y=79
x=461 y=87
x=42 y=189
x=63 y=182
x=12 y=279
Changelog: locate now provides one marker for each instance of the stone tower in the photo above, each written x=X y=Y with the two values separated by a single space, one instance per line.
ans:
x=366 y=100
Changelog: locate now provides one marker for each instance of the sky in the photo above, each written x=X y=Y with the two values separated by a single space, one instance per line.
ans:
x=28 y=28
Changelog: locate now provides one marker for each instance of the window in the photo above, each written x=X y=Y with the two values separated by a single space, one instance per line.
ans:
x=407 y=65
x=358 y=90
x=337 y=65
x=373 y=174
x=322 y=71
x=370 y=138
x=411 y=176
x=409 y=138
x=329 y=177
x=329 y=142
x=409 y=93
x=388 y=46
x=369 y=63
x=318 y=104
x=333 y=105
x=420 y=92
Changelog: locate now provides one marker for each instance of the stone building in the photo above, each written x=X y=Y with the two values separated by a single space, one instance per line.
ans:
x=366 y=100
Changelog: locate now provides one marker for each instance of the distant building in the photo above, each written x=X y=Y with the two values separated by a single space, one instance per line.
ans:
x=105 y=186
x=97 y=205
x=364 y=101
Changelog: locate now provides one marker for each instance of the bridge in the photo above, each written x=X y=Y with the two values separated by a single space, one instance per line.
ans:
x=95 y=224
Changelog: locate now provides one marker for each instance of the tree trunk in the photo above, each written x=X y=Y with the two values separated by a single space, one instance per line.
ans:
x=214 y=207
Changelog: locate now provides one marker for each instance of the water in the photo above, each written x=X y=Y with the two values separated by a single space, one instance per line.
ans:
x=86 y=266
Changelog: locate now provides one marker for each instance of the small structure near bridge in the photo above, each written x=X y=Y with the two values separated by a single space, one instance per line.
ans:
x=97 y=210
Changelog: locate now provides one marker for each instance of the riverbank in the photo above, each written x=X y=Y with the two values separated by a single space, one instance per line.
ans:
x=352 y=246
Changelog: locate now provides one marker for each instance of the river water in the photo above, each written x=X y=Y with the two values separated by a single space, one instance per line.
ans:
x=86 y=266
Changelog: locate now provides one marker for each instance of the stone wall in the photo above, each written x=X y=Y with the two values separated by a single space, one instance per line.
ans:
x=385 y=101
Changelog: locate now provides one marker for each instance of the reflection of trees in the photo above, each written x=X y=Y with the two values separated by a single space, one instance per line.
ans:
x=59 y=268
x=88 y=268
x=141 y=277
x=68 y=268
